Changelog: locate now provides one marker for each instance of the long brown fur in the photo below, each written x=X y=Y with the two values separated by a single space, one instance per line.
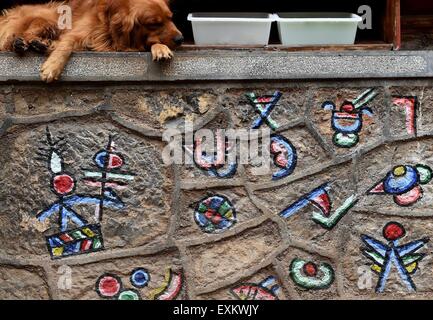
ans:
x=98 y=25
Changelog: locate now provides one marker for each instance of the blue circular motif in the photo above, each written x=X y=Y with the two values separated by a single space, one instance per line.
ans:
x=399 y=185
x=140 y=278
x=100 y=158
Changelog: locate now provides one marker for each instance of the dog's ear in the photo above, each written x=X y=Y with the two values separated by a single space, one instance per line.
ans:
x=116 y=14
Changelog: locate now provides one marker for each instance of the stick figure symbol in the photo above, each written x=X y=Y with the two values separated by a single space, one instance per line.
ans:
x=264 y=105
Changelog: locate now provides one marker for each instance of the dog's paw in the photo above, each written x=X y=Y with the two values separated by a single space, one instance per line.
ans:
x=161 y=52
x=20 y=46
x=50 y=71
x=40 y=45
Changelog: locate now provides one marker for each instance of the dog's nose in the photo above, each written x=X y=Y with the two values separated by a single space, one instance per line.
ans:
x=178 y=40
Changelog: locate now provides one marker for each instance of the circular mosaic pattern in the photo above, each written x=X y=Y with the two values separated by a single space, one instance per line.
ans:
x=310 y=275
x=215 y=214
x=401 y=180
x=110 y=160
x=63 y=184
x=393 y=231
x=129 y=294
x=108 y=286
x=140 y=277
x=425 y=173
x=346 y=140
x=310 y=269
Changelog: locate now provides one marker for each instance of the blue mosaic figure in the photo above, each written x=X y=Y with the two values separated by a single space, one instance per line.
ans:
x=403 y=257
x=64 y=208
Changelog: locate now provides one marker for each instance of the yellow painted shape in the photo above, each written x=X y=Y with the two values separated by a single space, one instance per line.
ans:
x=57 y=251
x=229 y=214
x=163 y=287
x=88 y=232
x=376 y=268
x=399 y=171
x=411 y=268
x=243 y=297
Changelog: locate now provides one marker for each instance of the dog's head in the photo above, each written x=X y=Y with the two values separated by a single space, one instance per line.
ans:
x=139 y=24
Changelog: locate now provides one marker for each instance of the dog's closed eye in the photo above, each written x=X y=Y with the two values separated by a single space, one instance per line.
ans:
x=150 y=24
x=154 y=26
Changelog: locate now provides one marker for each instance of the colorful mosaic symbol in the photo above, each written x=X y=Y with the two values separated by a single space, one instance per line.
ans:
x=108 y=174
x=170 y=288
x=265 y=290
x=320 y=198
x=64 y=205
x=311 y=276
x=410 y=105
x=403 y=257
x=73 y=242
x=63 y=185
x=404 y=184
x=347 y=121
x=285 y=156
x=264 y=105
x=214 y=165
x=215 y=214
x=109 y=286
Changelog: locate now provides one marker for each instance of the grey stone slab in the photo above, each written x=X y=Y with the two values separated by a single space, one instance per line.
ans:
x=88 y=66
x=227 y=65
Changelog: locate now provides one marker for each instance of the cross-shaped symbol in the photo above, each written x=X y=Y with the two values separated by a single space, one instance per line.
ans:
x=264 y=105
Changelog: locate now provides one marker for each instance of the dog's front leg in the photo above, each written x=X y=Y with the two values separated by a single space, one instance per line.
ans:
x=57 y=60
x=161 y=52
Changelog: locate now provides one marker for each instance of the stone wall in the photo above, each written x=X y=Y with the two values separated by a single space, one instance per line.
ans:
x=148 y=220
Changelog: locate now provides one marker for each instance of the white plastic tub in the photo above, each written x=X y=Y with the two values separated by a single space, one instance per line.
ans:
x=238 y=29
x=317 y=28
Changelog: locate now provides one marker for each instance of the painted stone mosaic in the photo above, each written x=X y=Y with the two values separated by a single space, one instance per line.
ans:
x=92 y=210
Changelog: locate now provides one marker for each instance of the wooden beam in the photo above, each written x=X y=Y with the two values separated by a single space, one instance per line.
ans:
x=392 y=25
x=352 y=47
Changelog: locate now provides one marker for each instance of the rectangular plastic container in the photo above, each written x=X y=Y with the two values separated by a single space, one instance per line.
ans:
x=229 y=28
x=317 y=28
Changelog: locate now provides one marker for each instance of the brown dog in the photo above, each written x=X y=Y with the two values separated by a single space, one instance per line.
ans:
x=98 y=25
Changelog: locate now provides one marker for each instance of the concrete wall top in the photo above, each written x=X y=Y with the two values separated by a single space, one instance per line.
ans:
x=227 y=65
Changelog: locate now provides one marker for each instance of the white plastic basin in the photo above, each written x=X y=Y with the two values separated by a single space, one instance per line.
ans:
x=317 y=28
x=221 y=28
